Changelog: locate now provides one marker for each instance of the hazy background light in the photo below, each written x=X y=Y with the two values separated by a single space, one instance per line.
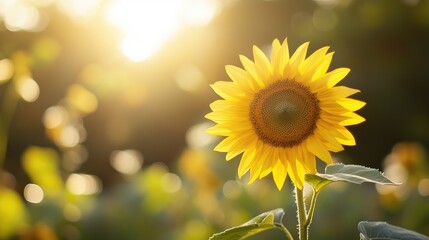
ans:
x=126 y=162
x=196 y=136
x=171 y=183
x=232 y=189
x=42 y=3
x=190 y=78
x=28 y=89
x=74 y=157
x=54 y=117
x=325 y=20
x=79 y=9
x=83 y=184
x=147 y=25
x=423 y=187
x=6 y=70
x=72 y=213
x=20 y=16
x=33 y=193
x=69 y=136
x=201 y=12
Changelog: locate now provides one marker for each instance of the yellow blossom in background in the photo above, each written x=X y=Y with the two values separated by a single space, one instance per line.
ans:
x=282 y=114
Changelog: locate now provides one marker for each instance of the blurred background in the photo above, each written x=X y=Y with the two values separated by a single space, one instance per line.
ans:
x=103 y=103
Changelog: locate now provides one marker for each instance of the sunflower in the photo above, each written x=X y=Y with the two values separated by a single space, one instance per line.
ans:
x=282 y=114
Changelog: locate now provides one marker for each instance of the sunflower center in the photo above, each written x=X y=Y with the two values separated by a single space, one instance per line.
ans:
x=285 y=113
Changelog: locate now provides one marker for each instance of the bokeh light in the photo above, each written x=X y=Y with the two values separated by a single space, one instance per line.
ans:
x=423 y=187
x=6 y=70
x=197 y=137
x=69 y=136
x=171 y=183
x=33 y=193
x=54 y=117
x=83 y=184
x=20 y=16
x=127 y=162
x=28 y=89
x=72 y=213
x=190 y=78
x=232 y=189
x=79 y=9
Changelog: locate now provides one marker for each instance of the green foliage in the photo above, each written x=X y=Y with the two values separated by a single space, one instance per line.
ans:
x=260 y=223
x=12 y=212
x=385 y=231
x=347 y=173
x=42 y=166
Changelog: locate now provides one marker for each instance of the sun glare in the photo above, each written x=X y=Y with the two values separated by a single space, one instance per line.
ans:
x=146 y=25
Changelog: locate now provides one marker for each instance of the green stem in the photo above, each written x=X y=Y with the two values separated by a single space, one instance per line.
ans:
x=302 y=215
x=285 y=230
x=311 y=210
x=8 y=107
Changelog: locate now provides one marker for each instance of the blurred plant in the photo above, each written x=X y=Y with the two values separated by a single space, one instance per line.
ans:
x=15 y=76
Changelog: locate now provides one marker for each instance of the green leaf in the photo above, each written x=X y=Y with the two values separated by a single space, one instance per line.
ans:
x=355 y=174
x=260 y=223
x=385 y=231
x=316 y=182
x=347 y=173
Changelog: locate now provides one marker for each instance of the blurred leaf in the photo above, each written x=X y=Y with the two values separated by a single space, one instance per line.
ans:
x=348 y=173
x=41 y=165
x=260 y=223
x=385 y=231
x=12 y=212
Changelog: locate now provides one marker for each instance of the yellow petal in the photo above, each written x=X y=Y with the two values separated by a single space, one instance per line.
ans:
x=240 y=77
x=336 y=78
x=332 y=118
x=218 y=131
x=245 y=162
x=265 y=159
x=332 y=94
x=225 y=144
x=353 y=119
x=293 y=170
x=226 y=89
x=295 y=61
x=279 y=174
x=328 y=140
x=332 y=108
x=329 y=80
x=318 y=149
x=219 y=105
x=351 y=104
x=346 y=138
x=323 y=67
x=284 y=56
x=222 y=116
x=249 y=66
x=262 y=65
x=276 y=52
x=309 y=161
x=255 y=169
x=310 y=65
